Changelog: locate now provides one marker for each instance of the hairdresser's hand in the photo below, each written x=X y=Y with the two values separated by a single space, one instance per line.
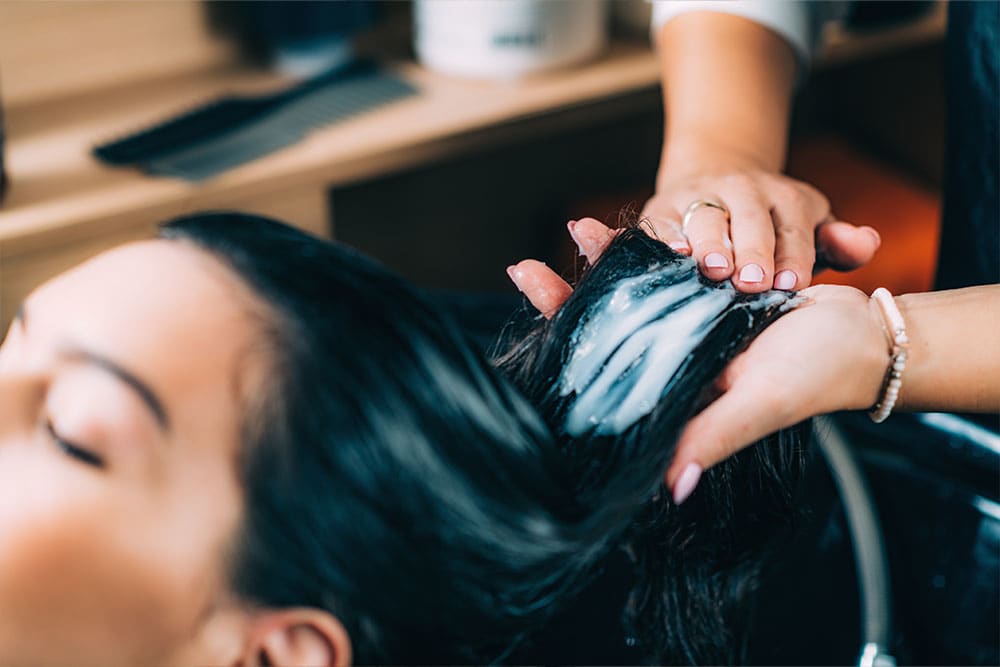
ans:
x=727 y=86
x=780 y=229
x=826 y=355
x=542 y=286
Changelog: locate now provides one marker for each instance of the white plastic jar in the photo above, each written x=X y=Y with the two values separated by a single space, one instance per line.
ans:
x=503 y=39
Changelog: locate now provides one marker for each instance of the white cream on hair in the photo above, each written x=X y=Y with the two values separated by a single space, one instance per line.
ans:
x=631 y=344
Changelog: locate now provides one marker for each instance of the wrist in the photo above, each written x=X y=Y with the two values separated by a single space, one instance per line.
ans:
x=914 y=357
x=874 y=359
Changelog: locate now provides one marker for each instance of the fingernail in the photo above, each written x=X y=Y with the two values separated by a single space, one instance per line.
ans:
x=714 y=260
x=686 y=483
x=751 y=273
x=514 y=276
x=875 y=234
x=680 y=247
x=571 y=226
x=785 y=280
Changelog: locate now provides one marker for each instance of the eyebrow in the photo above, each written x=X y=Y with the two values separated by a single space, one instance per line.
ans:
x=131 y=380
x=145 y=393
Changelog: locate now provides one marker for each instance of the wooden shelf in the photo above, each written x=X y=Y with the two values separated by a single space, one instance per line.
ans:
x=63 y=203
x=59 y=189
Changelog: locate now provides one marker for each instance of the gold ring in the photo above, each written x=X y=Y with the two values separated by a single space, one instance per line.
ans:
x=699 y=203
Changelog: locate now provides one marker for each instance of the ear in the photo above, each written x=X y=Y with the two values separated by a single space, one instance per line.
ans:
x=297 y=637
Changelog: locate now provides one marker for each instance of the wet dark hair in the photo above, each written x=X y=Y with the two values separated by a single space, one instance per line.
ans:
x=433 y=502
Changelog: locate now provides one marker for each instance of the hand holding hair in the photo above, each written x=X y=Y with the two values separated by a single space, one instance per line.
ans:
x=617 y=371
x=771 y=231
x=727 y=88
x=827 y=355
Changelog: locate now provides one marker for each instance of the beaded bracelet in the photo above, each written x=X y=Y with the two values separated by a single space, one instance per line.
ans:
x=895 y=329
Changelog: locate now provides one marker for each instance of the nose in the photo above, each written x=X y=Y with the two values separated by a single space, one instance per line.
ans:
x=21 y=396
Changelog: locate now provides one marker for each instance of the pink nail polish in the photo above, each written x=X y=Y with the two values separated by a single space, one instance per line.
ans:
x=680 y=247
x=751 y=273
x=714 y=260
x=785 y=280
x=512 y=272
x=686 y=483
x=875 y=235
x=571 y=226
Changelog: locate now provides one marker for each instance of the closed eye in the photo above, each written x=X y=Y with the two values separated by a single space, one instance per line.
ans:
x=72 y=450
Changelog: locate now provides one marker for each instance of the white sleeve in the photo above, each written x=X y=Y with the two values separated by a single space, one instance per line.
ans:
x=798 y=22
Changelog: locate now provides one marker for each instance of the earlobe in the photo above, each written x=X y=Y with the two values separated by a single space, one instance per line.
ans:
x=298 y=638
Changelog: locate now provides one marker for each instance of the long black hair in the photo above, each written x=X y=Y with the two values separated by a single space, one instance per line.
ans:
x=434 y=502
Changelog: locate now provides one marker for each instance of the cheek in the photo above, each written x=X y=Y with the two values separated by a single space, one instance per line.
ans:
x=83 y=560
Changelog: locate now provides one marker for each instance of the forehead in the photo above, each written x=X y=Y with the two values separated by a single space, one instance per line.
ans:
x=143 y=279
x=167 y=311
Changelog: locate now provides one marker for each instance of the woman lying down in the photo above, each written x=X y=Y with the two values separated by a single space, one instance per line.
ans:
x=240 y=445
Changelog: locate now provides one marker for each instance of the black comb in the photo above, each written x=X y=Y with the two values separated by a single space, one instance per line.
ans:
x=236 y=129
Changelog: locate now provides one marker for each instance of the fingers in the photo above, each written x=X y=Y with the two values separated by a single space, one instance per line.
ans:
x=797 y=210
x=708 y=233
x=752 y=232
x=842 y=246
x=735 y=420
x=772 y=236
x=590 y=236
x=542 y=286
x=794 y=249
x=663 y=221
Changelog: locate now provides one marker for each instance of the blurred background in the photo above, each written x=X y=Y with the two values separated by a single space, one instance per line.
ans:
x=448 y=139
